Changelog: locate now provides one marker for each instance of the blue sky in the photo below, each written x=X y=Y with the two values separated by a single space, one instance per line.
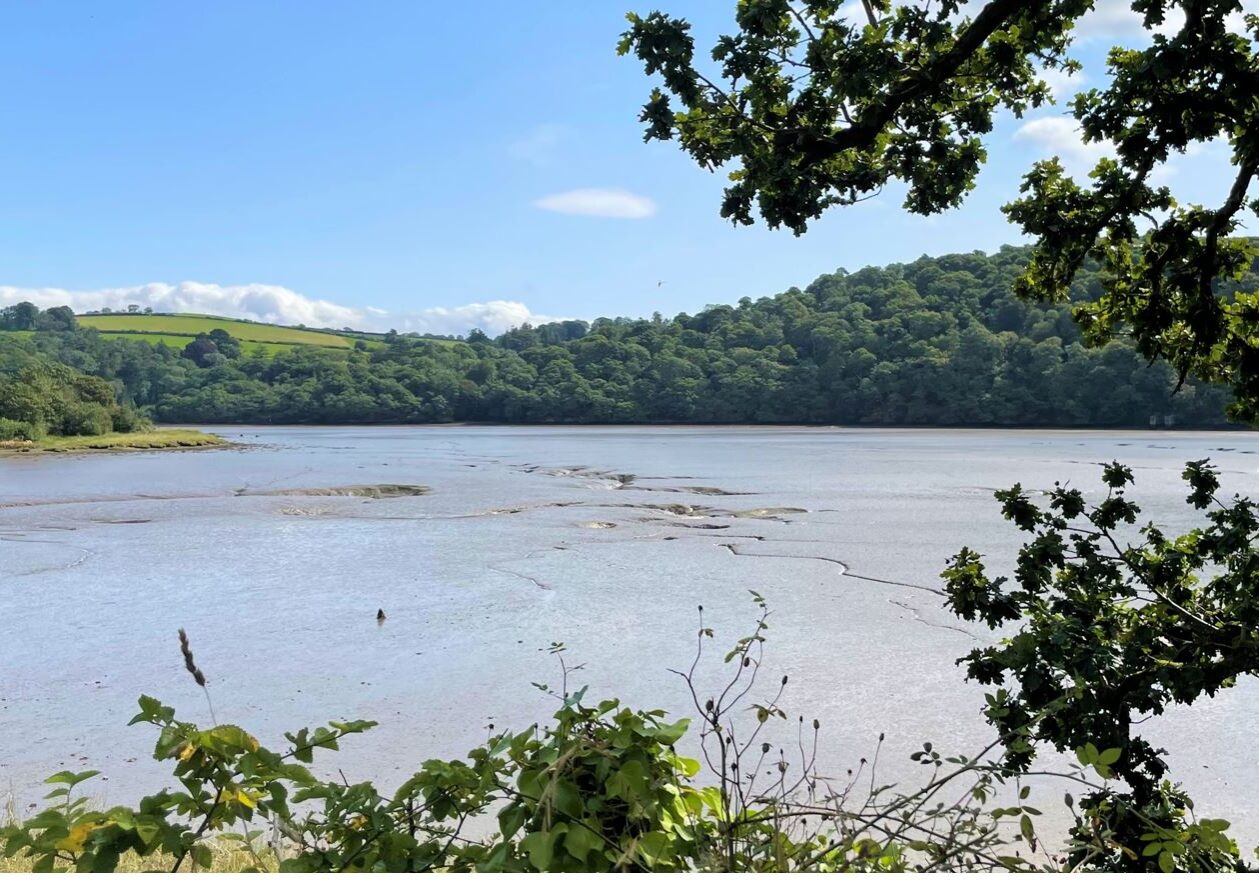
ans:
x=401 y=162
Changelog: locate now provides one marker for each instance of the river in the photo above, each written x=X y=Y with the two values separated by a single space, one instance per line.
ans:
x=605 y=539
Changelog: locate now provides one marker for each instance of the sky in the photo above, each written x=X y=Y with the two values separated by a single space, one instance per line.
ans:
x=415 y=164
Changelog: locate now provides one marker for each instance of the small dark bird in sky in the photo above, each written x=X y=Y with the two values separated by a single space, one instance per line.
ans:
x=380 y=616
x=659 y=283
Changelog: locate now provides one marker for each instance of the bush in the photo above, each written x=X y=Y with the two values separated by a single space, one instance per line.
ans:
x=85 y=418
x=13 y=429
x=128 y=419
x=599 y=788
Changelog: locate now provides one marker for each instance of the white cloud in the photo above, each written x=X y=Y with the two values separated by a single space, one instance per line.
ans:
x=1110 y=19
x=599 y=203
x=259 y=302
x=1060 y=136
x=493 y=317
x=280 y=305
x=1115 y=20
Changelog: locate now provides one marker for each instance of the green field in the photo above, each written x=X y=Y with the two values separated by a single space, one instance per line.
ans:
x=176 y=330
x=178 y=341
x=188 y=326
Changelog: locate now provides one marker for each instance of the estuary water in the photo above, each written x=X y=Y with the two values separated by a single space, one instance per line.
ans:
x=276 y=555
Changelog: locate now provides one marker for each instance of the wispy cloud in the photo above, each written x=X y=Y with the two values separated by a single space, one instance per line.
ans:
x=1060 y=136
x=620 y=204
x=540 y=145
x=280 y=305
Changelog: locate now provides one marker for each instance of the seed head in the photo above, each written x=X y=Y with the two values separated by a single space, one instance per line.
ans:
x=190 y=663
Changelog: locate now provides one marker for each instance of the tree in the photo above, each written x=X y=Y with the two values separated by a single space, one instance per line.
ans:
x=57 y=318
x=818 y=110
x=21 y=316
x=200 y=349
x=228 y=346
x=1111 y=633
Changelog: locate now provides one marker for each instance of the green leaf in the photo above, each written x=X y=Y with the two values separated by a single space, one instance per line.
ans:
x=655 y=846
x=566 y=798
x=540 y=846
x=669 y=734
x=1026 y=829
x=511 y=818
x=580 y=841
x=202 y=855
x=147 y=830
x=70 y=778
x=690 y=767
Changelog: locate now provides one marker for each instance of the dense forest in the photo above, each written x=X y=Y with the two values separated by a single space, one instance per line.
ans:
x=940 y=341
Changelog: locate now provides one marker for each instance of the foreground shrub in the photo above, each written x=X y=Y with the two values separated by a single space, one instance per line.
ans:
x=601 y=787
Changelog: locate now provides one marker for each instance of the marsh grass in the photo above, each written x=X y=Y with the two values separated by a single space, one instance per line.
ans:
x=158 y=439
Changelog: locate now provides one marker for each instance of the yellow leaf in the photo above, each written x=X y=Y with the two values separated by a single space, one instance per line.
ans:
x=77 y=837
x=237 y=794
x=186 y=752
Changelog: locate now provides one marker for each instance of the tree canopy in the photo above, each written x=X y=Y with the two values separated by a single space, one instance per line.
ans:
x=939 y=341
x=814 y=109
x=39 y=397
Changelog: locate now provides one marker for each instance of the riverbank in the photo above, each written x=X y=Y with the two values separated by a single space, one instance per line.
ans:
x=158 y=439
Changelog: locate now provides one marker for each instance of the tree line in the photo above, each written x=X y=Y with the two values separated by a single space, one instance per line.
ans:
x=939 y=341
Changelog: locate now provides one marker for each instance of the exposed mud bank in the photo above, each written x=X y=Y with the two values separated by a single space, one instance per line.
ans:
x=362 y=491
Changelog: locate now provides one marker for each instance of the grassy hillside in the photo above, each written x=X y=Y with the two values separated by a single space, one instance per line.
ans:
x=178 y=330
x=178 y=341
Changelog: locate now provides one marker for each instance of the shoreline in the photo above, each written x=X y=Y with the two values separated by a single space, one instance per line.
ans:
x=818 y=426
